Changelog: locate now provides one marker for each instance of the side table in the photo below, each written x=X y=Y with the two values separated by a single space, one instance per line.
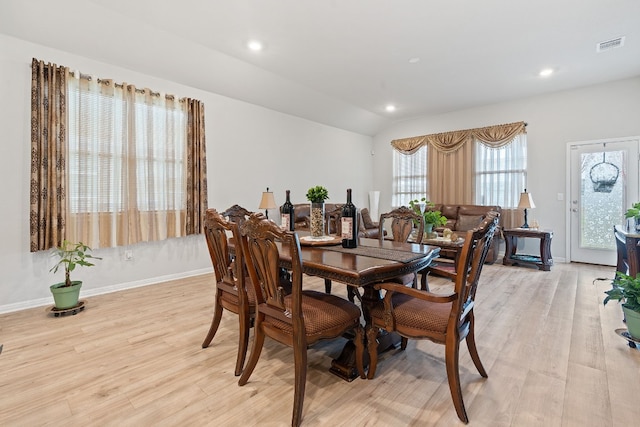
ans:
x=543 y=261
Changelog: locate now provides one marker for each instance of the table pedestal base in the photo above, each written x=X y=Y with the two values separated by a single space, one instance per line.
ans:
x=344 y=366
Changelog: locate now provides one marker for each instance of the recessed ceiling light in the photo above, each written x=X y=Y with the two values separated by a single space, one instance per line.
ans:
x=254 y=45
x=546 y=72
x=414 y=60
x=390 y=108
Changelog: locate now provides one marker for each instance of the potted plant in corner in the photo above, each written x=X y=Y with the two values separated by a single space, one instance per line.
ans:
x=626 y=288
x=69 y=255
x=317 y=195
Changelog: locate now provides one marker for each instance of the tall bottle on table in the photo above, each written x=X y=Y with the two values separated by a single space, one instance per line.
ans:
x=287 y=211
x=349 y=223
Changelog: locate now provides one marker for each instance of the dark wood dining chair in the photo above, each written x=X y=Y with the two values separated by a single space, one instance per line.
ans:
x=398 y=225
x=444 y=319
x=299 y=319
x=622 y=264
x=232 y=292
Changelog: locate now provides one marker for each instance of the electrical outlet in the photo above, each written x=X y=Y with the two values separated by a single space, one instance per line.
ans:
x=128 y=255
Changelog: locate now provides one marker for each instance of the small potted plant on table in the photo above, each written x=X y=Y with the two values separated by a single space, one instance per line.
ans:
x=69 y=255
x=626 y=288
x=432 y=218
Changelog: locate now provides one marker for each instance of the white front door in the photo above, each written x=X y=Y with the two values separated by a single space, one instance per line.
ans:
x=603 y=185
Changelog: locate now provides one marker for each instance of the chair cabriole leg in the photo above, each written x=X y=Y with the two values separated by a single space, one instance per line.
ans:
x=215 y=322
x=372 y=346
x=256 y=349
x=453 y=376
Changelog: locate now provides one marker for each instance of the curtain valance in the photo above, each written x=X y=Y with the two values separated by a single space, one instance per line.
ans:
x=448 y=142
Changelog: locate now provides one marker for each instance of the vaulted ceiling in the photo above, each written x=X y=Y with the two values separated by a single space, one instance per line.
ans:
x=341 y=62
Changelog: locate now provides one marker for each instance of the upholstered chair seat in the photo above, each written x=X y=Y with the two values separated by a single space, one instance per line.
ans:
x=421 y=317
x=322 y=313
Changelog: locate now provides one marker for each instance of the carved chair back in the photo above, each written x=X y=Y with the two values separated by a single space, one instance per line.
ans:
x=403 y=221
x=472 y=259
x=334 y=220
x=216 y=232
x=237 y=214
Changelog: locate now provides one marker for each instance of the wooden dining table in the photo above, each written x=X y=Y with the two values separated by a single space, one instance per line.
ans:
x=372 y=262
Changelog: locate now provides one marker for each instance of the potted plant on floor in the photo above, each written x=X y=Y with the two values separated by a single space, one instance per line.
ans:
x=69 y=255
x=626 y=288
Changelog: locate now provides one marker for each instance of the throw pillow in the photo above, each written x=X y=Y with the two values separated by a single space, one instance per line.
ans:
x=468 y=222
x=366 y=219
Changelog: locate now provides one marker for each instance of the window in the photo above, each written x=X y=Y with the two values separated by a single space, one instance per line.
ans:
x=501 y=173
x=409 y=176
x=126 y=164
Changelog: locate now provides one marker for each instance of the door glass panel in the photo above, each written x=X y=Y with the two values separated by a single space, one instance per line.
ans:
x=602 y=197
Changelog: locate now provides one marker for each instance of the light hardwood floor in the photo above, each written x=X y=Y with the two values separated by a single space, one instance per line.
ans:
x=133 y=358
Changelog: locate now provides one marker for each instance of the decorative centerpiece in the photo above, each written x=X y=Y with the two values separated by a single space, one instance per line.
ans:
x=432 y=218
x=317 y=195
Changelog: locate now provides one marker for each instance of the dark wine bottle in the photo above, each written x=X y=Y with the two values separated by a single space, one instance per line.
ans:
x=287 y=215
x=349 y=223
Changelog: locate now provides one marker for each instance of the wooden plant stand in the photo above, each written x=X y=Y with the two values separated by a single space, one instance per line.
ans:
x=73 y=310
x=624 y=333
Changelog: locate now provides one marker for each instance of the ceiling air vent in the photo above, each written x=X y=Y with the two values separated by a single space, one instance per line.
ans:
x=610 y=44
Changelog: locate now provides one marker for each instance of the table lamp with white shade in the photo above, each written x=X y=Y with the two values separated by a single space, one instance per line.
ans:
x=267 y=202
x=526 y=202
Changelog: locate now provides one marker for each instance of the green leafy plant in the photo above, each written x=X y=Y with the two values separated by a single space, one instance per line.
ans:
x=70 y=255
x=317 y=194
x=633 y=211
x=625 y=288
x=430 y=216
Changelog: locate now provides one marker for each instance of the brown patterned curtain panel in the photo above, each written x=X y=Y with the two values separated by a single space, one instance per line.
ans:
x=48 y=155
x=196 y=167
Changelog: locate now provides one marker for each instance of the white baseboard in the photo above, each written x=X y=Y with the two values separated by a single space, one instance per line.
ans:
x=8 y=308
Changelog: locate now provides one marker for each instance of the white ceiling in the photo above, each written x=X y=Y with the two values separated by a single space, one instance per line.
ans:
x=340 y=62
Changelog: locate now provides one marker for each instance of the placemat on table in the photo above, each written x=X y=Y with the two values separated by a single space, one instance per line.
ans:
x=376 y=252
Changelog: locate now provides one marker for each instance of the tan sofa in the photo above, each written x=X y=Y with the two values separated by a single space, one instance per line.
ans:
x=366 y=227
x=461 y=218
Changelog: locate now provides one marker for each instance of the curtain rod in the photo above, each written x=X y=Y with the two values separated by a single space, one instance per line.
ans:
x=120 y=85
x=106 y=81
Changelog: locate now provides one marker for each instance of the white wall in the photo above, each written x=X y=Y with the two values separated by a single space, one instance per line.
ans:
x=596 y=112
x=248 y=148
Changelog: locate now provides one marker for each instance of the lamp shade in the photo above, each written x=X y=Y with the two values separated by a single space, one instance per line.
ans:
x=267 y=201
x=526 y=201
